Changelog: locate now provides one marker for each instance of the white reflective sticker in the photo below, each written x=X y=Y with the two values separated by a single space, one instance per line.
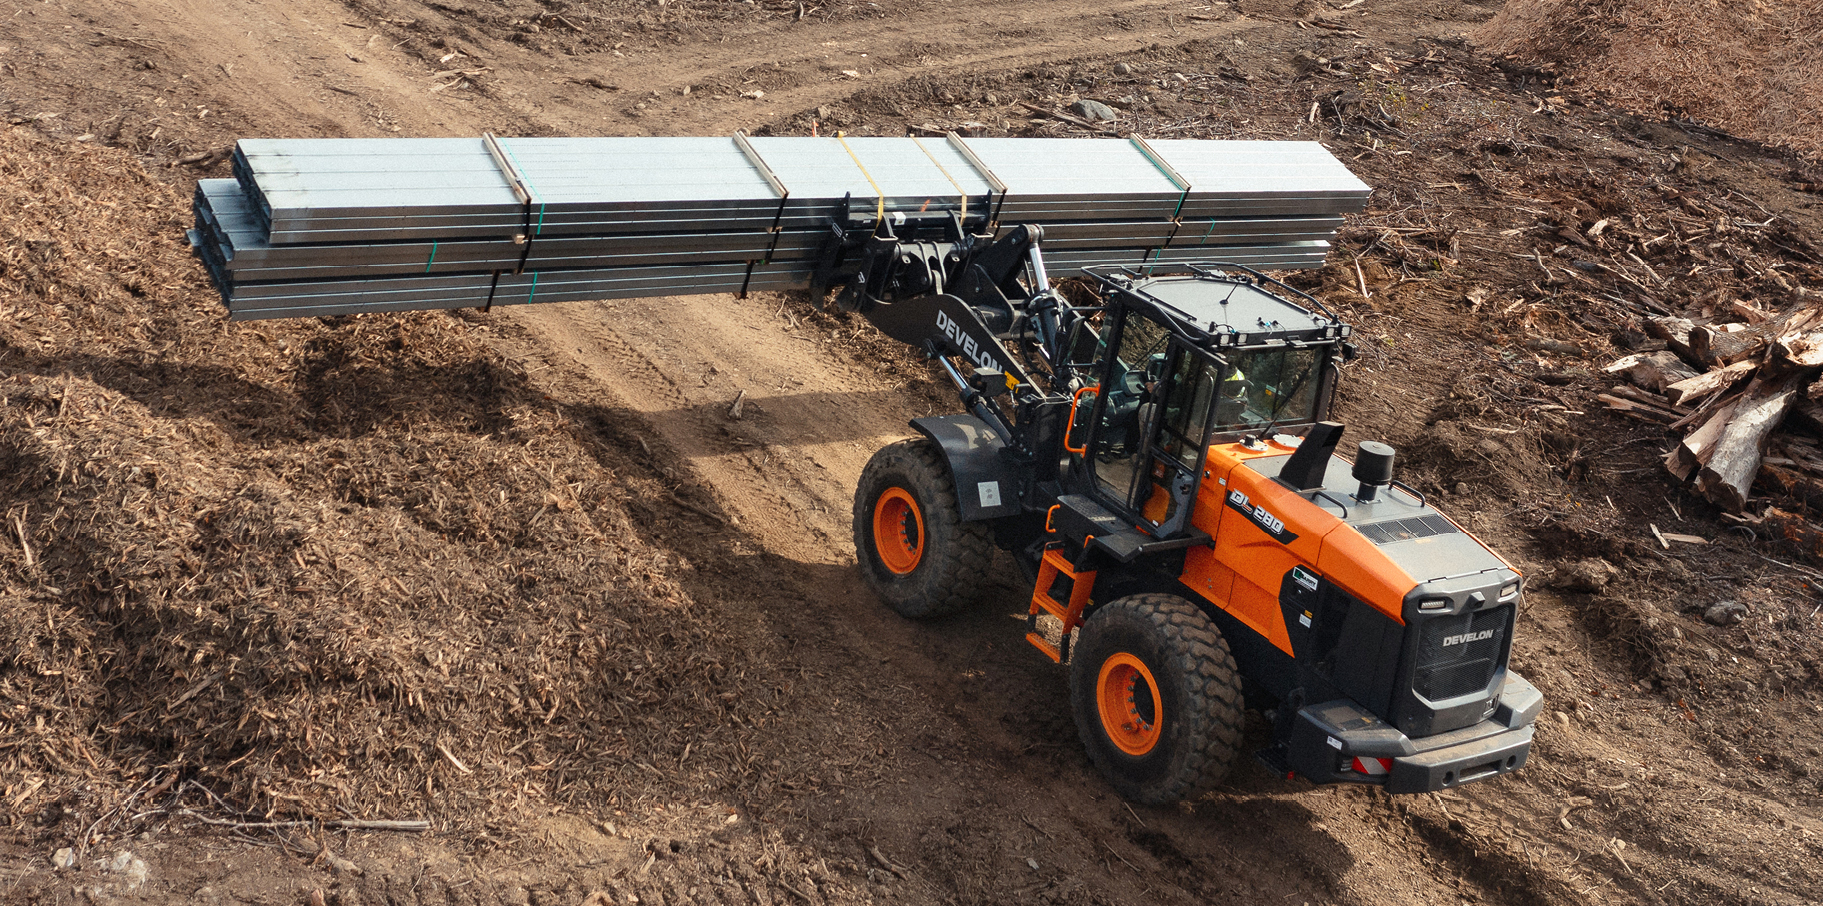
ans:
x=1304 y=620
x=990 y=493
x=1335 y=743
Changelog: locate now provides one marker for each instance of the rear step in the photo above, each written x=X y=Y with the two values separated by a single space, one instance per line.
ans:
x=1056 y=565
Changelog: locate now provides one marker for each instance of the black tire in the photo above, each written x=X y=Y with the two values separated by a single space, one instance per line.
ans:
x=907 y=488
x=1180 y=742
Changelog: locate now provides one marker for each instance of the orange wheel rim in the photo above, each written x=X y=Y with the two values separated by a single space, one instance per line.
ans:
x=1128 y=696
x=898 y=530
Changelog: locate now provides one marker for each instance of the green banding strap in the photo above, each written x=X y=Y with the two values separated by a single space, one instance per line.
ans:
x=1181 y=184
x=433 y=256
x=1207 y=233
x=534 y=290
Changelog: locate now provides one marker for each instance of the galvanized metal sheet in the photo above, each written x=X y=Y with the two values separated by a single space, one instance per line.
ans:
x=342 y=225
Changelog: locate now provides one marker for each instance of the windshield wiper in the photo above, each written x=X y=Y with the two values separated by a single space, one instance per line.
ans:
x=1279 y=407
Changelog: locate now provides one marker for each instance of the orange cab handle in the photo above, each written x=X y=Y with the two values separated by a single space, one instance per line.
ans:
x=1070 y=427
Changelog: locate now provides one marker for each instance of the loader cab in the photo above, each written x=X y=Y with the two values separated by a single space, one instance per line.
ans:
x=1172 y=373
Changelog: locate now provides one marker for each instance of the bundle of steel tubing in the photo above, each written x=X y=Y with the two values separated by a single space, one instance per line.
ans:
x=345 y=226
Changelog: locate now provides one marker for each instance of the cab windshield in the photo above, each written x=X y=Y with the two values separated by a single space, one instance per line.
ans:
x=1268 y=386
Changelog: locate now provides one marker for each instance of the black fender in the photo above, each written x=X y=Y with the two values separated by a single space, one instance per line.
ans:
x=987 y=485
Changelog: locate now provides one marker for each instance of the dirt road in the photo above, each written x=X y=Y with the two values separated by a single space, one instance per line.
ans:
x=877 y=760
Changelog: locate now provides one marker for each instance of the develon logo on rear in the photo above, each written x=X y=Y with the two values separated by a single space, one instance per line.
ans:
x=1467 y=637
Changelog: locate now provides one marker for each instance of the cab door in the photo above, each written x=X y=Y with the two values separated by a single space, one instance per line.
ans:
x=1152 y=424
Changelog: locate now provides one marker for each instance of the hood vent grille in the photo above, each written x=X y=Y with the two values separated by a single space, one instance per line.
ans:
x=1407 y=529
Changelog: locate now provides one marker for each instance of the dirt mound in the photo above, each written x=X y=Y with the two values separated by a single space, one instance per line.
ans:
x=343 y=565
x=1750 y=69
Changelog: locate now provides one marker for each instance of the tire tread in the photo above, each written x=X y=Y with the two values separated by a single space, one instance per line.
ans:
x=1197 y=653
x=963 y=551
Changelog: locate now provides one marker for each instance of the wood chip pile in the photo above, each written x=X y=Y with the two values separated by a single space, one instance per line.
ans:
x=316 y=569
x=1753 y=71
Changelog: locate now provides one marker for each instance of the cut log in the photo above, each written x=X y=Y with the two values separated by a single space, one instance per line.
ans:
x=1693 y=452
x=1640 y=411
x=1725 y=344
x=1692 y=390
x=1652 y=371
x=1796 y=335
x=1802 y=348
x=1790 y=484
x=1749 y=313
x=1546 y=344
x=1727 y=475
x=1675 y=332
x=1648 y=398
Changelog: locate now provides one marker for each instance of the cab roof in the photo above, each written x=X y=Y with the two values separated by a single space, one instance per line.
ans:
x=1229 y=305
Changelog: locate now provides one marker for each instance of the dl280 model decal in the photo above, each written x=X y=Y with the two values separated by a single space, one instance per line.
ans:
x=1268 y=523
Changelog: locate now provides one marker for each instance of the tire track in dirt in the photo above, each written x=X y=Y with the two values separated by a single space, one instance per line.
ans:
x=802 y=68
x=359 y=67
x=278 y=68
x=785 y=466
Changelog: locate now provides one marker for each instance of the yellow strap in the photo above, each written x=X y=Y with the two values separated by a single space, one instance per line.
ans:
x=952 y=179
x=881 y=212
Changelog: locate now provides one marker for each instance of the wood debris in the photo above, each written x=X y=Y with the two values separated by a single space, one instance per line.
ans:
x=1653 y=371
x=1753 y=374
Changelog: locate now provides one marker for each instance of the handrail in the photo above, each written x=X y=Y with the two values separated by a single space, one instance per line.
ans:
x=1416 y=494
x=1070 y=426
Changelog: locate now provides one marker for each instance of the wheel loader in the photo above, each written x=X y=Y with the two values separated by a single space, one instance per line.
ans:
x=1149 y=441
x=1152 y=446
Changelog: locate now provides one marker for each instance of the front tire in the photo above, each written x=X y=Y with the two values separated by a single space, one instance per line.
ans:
x=916 y=553
x=1157 y=698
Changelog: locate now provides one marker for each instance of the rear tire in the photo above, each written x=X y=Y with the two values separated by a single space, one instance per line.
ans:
x=1157 y=698
x=916 y=553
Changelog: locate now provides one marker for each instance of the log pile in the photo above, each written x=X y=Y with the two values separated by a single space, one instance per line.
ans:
x=1729 y=387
